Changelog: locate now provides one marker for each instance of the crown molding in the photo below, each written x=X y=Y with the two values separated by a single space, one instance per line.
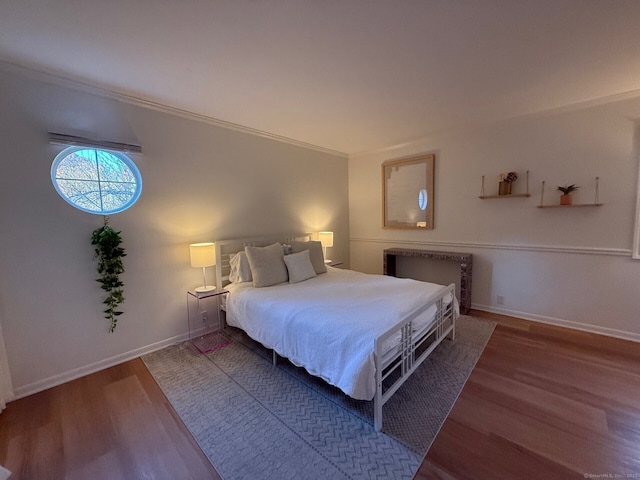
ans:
x=418 y=143
x=101 y=91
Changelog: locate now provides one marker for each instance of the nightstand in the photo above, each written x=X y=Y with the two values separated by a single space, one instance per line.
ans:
x=203 y=314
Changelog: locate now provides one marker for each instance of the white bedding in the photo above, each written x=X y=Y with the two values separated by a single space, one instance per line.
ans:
x=328 y=324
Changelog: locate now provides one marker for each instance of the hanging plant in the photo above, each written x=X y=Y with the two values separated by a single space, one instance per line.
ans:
x=109 y=254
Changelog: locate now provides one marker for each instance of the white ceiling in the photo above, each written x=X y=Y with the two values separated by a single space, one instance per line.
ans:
x=345 y=75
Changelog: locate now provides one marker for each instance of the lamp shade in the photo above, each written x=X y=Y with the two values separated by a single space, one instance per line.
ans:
x=203 y=254
x=326 y=238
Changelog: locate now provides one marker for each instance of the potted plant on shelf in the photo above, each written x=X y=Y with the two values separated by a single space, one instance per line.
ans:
x=506 y=179
x=565 y=198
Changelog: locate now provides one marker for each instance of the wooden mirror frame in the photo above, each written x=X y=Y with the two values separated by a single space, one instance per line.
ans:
x=421 y=222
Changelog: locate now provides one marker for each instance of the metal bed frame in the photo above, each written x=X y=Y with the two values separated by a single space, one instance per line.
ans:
x=414 y=348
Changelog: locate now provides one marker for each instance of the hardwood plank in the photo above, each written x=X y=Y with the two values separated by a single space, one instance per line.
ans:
x=543 y=402
x=114 y=424
x=550 y=407
x=144 y=445
x=104 y=467
x=466 y=453
x=545 y=440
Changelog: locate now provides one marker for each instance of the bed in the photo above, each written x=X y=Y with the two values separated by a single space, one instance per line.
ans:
x=364 y=334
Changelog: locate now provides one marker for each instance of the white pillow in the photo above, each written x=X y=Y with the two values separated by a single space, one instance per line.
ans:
x=315 y=254
x=240 y=269
x=299 y=266
x=267 y=265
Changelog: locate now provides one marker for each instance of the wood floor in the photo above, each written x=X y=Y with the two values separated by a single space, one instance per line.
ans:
x=542 y=403
x=115 y=424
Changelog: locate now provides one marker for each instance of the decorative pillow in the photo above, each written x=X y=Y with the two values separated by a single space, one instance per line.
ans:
x=240 y=269
x=267 y=265
x=299 y=266
x=315 y=254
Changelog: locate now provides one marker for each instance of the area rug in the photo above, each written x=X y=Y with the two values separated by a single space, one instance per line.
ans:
x=254 y=420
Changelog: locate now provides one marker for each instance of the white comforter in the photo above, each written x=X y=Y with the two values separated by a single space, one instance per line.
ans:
x=328 y=324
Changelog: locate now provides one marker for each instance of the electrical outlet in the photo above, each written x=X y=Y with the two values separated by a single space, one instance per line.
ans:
x=204 y=316
x=500 y=300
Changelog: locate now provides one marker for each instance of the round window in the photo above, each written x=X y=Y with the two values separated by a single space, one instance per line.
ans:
x=96 y=181
x=423 y=199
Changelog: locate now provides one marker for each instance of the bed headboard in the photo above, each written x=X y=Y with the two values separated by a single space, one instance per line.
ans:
x=226 y=248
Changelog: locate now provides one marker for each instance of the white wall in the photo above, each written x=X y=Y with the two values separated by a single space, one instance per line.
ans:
x=564 y=266
x=200 y=183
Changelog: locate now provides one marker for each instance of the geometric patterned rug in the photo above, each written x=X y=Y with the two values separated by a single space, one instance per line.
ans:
x=254 y=420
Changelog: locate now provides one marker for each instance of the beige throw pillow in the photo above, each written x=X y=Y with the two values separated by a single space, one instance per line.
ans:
x=299 y=266
x=240 y=269
x=267 y=265
x=315 y=254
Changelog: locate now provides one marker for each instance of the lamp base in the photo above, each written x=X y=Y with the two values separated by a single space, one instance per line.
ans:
x=204 y=289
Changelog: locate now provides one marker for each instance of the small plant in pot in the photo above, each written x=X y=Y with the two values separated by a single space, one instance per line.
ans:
x=505 y=181
x=565 y=198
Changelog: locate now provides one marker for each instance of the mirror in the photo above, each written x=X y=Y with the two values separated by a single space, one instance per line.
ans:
x=407 y=193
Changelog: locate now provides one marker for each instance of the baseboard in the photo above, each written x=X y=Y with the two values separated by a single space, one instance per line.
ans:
x=59 y=379
x=65 y=377
x=558 y=322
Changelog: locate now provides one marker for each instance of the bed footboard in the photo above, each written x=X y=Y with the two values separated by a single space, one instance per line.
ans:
x=393 y=370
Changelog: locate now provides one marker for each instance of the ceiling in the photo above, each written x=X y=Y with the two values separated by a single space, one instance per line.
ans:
x=346 y=75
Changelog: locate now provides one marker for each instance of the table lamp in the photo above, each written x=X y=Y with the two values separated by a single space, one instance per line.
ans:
x=326 y=239
x=203 y=255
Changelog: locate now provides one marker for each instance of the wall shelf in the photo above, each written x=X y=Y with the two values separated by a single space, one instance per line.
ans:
x=596 y=201
x=511 y=195
x=517 y=195
x=572 y=206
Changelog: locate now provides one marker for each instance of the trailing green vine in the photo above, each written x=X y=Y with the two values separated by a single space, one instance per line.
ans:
x=109 y=254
